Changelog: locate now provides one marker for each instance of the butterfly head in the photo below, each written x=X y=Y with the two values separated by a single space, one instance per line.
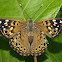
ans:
x=30 y=20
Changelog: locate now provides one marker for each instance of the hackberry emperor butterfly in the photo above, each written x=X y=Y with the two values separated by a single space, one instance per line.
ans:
x=29 y=38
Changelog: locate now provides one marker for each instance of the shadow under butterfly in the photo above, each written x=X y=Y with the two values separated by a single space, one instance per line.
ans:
x=29 y=38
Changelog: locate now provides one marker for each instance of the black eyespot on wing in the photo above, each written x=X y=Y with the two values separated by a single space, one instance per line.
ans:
x=14 y=22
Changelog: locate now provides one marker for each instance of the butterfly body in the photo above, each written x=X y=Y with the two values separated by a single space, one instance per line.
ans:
x=30 y=27
x=29 y=38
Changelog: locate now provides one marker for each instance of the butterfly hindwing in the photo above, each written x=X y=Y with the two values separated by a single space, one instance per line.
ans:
x=20 y=43
x=9 y=27
x=51 y=27
x=39 y=44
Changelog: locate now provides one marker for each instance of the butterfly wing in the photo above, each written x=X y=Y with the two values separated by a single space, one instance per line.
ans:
x=9 y=27
x=51 y=27
x=20 y=43
x=39 y=44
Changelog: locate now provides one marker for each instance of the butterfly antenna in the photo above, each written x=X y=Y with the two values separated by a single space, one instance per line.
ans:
x=21 y=10
x=35 y=59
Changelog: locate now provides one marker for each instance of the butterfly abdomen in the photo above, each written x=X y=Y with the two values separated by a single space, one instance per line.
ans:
x=30 y=37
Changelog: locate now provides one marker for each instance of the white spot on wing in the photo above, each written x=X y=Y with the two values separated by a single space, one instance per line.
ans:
x=7 y=20
x=42 y=32
x=4 y=29
x=56 y=28
x=10 y=33
x=8 y=26
x=54 y=20
x=5 y=24
x=0 y=22
x=11 y=28
x=49 y=28
x=2 y=26
x=55 y=23
x=60 y=21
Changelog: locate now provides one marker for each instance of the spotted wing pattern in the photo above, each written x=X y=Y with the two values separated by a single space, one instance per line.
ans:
x=51 y=27
x=39 y=44
x=20 y=43
x=9 y=27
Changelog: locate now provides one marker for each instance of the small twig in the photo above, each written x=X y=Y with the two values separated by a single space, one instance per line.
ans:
x=35 y=59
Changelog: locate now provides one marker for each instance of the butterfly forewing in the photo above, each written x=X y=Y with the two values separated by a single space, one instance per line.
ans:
x=9 y=27
x=51 y=27
x=39 y=44
x=20 y=43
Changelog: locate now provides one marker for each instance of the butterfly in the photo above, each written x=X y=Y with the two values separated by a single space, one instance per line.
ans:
x=29 y=38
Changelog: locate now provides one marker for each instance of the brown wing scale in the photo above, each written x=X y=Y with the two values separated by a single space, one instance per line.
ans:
x=20 y=43
x=39 y=44
x=51 y=27
x=9 y=27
